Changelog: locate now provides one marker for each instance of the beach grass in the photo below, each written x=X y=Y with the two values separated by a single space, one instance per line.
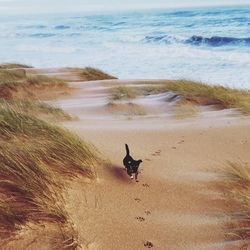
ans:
x=129 y=109
x=35 y=108
x=197 y=93
x=122 y=93
x=184 y=110
x=236 y=190
x=36 y=160
x=91 y=74
x=17 y=84
x=14 y=66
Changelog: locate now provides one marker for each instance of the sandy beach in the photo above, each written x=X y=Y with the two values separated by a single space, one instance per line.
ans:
x=175 y=204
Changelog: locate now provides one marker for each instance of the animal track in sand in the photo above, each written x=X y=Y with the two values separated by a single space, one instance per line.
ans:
x=137 y=199
x=145 y=185
x=148 y=244
x=147 y=160
x=141 y=219
x=157 y=153
x=180 y=142
x=147 y=212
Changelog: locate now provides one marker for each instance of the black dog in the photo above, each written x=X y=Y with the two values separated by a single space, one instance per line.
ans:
x=131 y=165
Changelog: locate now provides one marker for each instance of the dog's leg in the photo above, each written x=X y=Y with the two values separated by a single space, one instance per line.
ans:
x=136 y=175
x=130 y=174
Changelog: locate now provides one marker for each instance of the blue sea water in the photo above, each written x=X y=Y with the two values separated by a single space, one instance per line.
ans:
x=204 y=44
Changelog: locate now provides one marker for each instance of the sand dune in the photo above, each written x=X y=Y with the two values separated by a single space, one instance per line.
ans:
x=174 y=205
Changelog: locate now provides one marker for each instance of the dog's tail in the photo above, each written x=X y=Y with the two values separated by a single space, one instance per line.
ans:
x=127 y=149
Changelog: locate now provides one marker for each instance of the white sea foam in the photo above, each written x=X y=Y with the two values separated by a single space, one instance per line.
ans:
x=138 y=45
x=45 y=49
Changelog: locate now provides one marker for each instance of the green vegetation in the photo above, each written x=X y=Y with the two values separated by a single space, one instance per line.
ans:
x=37 y=159
x=91 y=74
x=236 y=190
x=13 y=66
x=128 y=109
x=199 y=93
x=184 y=110
x=45 y=80
x=15 y=83
x=122 y=92
x=7 y=76
x=39 y=109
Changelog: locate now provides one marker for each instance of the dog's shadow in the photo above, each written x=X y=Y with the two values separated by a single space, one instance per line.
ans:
x=118 y=172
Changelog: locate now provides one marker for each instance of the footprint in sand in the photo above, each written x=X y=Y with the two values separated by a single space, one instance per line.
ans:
x=147 y=212
x=137 y=199
x=157 y=153
x=147 y=160
x=145 y=185
x=180 y=142
x=148 y=244
x=173 y=147
x=141 y=219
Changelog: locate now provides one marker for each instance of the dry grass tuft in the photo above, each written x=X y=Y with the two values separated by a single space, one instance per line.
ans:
x=200 y=93
x=38 y=109
x=14 y=66
x=236 y=190
x=184 y=110
x=15 y=83
x=122 y=92
x=36 y=160
x=127 y=109
x=91 y=74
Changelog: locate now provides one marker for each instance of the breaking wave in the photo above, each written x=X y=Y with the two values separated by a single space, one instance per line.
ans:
x=214 y=41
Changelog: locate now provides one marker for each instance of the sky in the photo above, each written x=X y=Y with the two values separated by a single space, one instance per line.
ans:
x=51 y=6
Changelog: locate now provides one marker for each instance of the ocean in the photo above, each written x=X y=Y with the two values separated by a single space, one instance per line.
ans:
x=204 y=44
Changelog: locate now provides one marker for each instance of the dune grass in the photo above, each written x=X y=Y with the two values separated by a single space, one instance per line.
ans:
x=198 y=93
x=91 y=74
x=128 y=109
x=122 y=93
x=236 y=190
x=38 y=109
x=184 y=110
x=16 y=83
x=11 y=75
x=36 y=160
x=14 y=66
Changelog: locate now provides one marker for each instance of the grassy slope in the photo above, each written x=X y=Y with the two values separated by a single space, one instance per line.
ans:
x=90 y=74
x=196 y=92
x=14 y=66
x=236 y=190
x=36 y=157
x=122 y=92
x=15 y=83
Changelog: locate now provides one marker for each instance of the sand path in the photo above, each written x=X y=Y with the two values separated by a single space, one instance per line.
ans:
x=174 y=205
